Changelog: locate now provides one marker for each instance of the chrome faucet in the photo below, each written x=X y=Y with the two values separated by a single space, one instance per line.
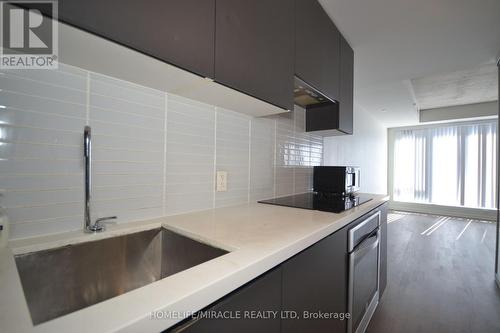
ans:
x=98 y=225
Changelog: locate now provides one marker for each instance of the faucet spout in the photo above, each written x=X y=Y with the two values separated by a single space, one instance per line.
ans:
x=97 y=226
x=87 y=157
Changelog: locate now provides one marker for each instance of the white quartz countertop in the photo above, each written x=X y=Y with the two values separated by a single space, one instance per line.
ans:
x=258 y=236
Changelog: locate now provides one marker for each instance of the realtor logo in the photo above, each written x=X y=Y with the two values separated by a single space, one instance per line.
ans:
x=28 y=37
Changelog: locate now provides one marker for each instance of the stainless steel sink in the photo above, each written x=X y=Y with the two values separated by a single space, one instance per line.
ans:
x=62 y=280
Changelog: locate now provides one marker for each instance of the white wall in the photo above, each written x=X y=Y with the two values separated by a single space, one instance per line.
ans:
x=459 y=112
x=154 y=153
x=366 y=148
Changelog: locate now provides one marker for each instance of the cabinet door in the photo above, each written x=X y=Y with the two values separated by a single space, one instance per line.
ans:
x=180 y=32
x=383 y=248
x=346 y=87
x=262 y=294
x=317 y=54
x=316 y=280
x=254 y=48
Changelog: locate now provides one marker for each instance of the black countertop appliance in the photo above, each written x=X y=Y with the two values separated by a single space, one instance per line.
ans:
x=334 y=190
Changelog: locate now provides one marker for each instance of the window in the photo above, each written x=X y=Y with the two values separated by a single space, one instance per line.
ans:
x=453 y=165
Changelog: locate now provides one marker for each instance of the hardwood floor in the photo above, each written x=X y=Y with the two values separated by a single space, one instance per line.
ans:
x=440 y=277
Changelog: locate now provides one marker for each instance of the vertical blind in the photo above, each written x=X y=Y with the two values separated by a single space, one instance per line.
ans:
x=453 y=165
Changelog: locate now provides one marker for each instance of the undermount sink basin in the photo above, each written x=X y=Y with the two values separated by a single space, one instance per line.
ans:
x=65 y=279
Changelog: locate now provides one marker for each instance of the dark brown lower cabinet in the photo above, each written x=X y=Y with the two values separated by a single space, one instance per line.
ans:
x=308 y=292
x=315 y=282
x=262 y=296
x=383 y=248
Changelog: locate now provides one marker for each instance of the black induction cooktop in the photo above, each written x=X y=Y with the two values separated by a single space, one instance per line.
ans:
x=319 y=201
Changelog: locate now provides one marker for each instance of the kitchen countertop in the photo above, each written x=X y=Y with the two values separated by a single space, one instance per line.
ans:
x=258 y=236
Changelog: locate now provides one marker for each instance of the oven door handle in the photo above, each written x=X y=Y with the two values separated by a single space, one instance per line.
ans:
x=367 y=245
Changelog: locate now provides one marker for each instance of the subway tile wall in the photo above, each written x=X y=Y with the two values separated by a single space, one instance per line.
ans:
x=154 y=154
x=232 y=154
x=262 y=147
x=190 y=156
x=42 y=115
x=128 y=130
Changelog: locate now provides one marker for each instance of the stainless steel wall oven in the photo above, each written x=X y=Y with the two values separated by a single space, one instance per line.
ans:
x=364 y=272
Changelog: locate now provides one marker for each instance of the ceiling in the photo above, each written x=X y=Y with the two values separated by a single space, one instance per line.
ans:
x=476 y=85
x=402 y=43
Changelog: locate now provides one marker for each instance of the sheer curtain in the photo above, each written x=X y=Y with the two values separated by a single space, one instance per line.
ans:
x=453 y=165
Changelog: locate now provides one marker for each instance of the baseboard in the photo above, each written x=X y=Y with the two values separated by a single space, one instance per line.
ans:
x=470 y=213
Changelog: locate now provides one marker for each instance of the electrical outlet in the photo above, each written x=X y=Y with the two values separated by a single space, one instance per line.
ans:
x=221 y=181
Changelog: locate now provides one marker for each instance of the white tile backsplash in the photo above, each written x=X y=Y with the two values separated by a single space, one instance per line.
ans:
x=302 y=179
x=262 y=158
x=44 y=227
x=130 y=93
x=65 y=76
x=45 y=89
x=41 y=198
x=38 y=166
x=285 y=144
x=43 y=105
x=125 y=110
x=23 y=118
x=296 y=153
x=190 y=150
x=40 y=135
x=154 y=153
x=39 y=182
x=233 y=156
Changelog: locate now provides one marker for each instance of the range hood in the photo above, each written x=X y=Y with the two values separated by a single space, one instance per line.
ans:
x=322 y=112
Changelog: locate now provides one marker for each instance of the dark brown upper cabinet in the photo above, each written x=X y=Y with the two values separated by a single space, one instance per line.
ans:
x=346 y=98
x=317 y=48
x=180 y=32
x=254 y=48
